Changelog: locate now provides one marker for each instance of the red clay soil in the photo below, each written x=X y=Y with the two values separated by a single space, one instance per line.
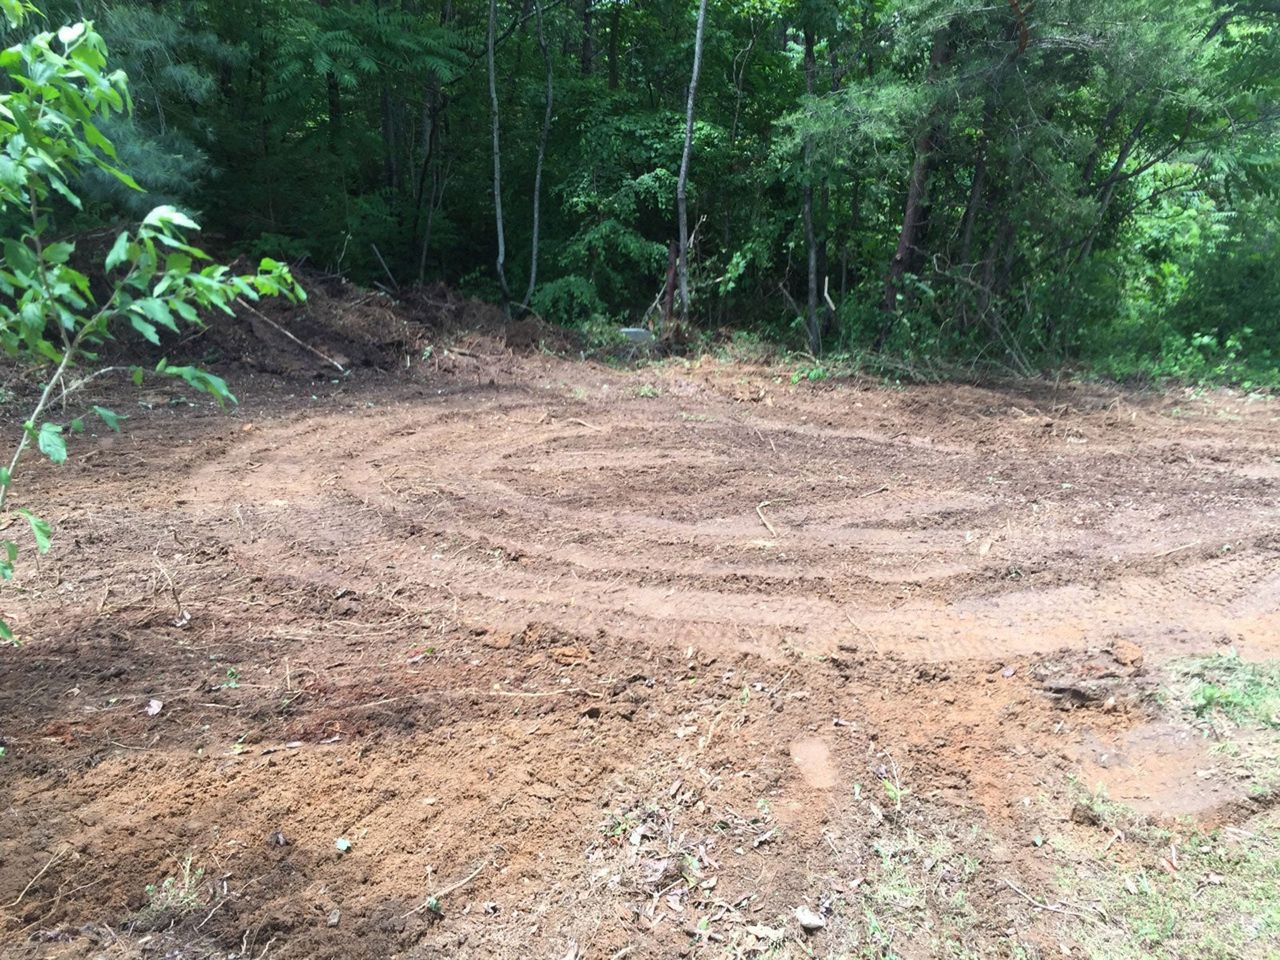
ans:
x=582 y=662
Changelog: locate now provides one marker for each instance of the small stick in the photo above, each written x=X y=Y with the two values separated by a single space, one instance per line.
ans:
x=1185 y=546
x=1052 y=908
x=173 y=587
x=43 y=870
x=305 y=346
x=872 y=493
x=590 y=426
x=378 y=253
x=826 y=294
x=435 y=897
x=763 y=519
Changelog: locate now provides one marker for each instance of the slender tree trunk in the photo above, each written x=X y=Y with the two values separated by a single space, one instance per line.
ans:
x=615 y=31
x=335 y=109
x=334 y=94
x=435 y=201
x=1108 y=186
x=542 y=153
x=501 y=262
x=669 y=291
x=810 y=240
x=913 y=215
x=388 y=139
x=682 y=182
x=588 y=39
x=978 y=188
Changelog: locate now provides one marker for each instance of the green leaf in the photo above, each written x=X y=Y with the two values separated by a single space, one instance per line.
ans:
x=67 y=193
x=158 y=312
x=135 y=373
x=201 y=380
x=119 y=252
x=5 y=633
x=166 y=215
x=77 y=425
x=95 y=137
x=59 y=252
x=40 y=529
x=5 y=477
x=146 y=329
x=111 y=419
x=50 y=442
x=123 y=177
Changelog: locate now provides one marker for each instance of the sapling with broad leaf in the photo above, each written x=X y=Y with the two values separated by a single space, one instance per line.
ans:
x=58 y=86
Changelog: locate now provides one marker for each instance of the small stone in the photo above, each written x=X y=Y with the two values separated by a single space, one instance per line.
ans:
x=809 y=921
x=335 y=917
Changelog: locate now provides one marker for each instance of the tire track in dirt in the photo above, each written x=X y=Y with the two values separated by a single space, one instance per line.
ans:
x=747 y=533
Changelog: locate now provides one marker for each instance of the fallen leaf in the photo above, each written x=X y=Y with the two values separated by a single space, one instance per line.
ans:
x=154 y=707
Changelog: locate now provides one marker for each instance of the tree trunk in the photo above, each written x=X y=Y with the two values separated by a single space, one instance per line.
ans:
x=501 y=261
x=682 y=182
x=978 y=188
x=810 y=240
x=615 y=31
x=542 y=153
x=669 y=291
x=913 y=215
x=588 y=39
x=335 y=109
x=389 y=165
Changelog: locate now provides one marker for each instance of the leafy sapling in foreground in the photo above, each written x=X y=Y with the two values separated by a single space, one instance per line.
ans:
x=58 y=85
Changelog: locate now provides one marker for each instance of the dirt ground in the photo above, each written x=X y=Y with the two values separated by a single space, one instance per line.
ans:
x=498 y=654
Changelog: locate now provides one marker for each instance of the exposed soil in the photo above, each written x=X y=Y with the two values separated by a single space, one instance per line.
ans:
x=612 y=663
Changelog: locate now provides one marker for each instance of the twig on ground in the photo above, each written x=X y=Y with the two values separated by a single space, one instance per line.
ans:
x=1051 y=907
x=1165 y=553
x=183 y=617
x=872 y=493
x=434 y=899
x=763 y=519
x=43 y=870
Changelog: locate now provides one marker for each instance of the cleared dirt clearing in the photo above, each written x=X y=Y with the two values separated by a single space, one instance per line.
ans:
x=630 y=664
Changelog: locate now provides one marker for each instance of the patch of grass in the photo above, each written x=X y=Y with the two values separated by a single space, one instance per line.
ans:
x=174 y=897
x=811 y=372
x=1221 y=900
x=1246 y=694
x=1237 y=703
x=647 y=390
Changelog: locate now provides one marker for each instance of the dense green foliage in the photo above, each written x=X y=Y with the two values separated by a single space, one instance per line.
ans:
x=1020 y=182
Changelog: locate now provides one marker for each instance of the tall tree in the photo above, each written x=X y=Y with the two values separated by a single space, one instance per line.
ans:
x=500 y=264
x=682 y=183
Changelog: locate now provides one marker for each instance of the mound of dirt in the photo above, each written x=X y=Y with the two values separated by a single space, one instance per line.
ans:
x=341 y=326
